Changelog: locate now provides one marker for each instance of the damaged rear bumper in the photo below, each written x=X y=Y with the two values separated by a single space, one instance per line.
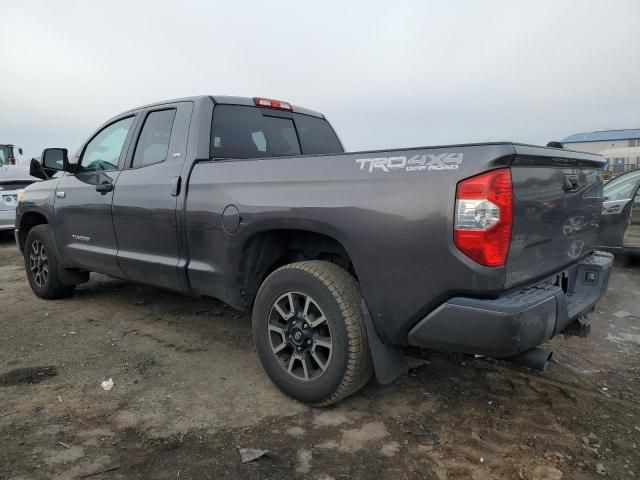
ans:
x=520 y=320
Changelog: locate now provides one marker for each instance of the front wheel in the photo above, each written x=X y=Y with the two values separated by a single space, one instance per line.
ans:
x=41 y=265
x=310 y=334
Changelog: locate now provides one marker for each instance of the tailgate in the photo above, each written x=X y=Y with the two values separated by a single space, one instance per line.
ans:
x=557 y=196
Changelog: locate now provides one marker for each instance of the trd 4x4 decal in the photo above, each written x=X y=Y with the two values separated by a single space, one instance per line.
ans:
x=417 y=163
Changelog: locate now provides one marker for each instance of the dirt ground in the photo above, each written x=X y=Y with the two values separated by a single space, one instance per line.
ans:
x=188 y=391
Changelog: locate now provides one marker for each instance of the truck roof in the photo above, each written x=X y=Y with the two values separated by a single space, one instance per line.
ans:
x=225 y=100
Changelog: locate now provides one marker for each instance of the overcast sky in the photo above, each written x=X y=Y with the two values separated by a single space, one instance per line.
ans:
x=386 y=74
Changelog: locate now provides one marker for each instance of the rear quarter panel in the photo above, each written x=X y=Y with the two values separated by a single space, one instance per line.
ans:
x=396 y=225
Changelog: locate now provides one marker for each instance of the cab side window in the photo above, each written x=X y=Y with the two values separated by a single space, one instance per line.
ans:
x=153 y=143
x=102 y=153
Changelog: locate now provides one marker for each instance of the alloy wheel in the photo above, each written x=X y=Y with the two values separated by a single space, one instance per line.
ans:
x=300 y=336
x=39 y=263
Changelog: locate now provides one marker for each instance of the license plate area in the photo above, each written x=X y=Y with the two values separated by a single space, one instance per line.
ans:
x=9 y=200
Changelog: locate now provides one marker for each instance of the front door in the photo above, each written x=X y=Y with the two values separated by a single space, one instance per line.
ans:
x=83 y=225
x=146 y=194
x=617 y=210
x=632 y=235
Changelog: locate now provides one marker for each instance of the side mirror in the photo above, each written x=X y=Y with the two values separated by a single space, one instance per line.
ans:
x=52 y=160
x=20 y=151
x=55 y=159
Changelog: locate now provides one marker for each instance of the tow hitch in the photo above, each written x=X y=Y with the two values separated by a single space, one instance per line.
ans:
x=581 y=327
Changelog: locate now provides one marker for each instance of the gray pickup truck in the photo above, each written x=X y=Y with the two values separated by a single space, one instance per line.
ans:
x=343 y=258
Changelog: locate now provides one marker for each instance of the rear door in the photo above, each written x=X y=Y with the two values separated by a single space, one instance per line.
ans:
x=83 y=225
x=557 y=207
x=145 y=197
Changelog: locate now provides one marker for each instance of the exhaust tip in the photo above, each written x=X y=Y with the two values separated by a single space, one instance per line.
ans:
x=537 y=358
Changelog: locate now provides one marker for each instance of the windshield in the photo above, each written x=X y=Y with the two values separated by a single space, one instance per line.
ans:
x=5 y=153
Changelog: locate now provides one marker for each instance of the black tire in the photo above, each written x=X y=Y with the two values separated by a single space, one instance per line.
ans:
x=336 y=299
x=40 y=253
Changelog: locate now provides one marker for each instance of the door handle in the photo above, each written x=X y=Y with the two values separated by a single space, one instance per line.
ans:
x=104 y=188
x=175 y=186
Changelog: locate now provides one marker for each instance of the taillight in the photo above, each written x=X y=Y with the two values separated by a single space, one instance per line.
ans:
x=484 y=211
x=266 y=102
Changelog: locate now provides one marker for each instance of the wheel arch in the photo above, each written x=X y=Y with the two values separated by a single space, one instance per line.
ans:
x=28 y=220
x=266 y=250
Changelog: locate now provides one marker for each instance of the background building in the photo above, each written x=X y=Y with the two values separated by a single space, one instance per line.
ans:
x=621 y=148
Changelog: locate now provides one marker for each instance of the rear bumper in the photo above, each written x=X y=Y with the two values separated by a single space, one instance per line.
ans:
x=621 y=250
x=520 y=320
x=7 y=219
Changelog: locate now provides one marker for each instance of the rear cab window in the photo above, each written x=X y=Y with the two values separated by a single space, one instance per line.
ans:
x=253 y=132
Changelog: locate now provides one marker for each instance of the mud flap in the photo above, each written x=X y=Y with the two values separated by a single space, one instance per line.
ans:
x=72 y=277
x=388 y=360
x=68 y=276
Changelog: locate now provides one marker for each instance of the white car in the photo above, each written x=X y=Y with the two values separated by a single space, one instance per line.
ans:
x=13 y=178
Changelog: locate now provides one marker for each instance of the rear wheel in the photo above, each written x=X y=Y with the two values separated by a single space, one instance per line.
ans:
x=310 y=334
x=41 y=265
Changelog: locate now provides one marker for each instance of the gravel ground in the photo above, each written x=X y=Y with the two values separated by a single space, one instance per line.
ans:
x=188 y=391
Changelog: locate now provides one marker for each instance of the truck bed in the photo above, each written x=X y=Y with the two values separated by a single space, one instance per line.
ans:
x=393 y=211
